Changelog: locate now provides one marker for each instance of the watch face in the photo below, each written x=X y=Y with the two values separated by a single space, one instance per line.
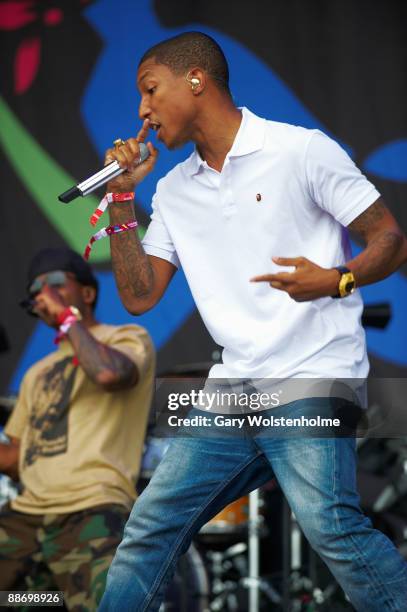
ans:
x=75 y=311
x=346 y=284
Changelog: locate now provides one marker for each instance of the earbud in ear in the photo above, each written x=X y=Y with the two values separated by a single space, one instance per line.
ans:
x=194 y=82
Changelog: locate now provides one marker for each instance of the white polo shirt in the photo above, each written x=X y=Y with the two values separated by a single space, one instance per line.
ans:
x=283 y=191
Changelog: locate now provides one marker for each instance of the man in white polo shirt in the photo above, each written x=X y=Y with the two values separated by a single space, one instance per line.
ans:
x=256 y=217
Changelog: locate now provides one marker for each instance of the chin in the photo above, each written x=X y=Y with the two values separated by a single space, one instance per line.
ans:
x=176 y=142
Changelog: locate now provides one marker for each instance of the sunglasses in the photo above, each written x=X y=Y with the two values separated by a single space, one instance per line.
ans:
x=58 y=278
x=52 y=279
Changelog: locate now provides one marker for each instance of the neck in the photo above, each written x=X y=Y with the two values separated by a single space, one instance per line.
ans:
x=216 y=131
x=89 y=320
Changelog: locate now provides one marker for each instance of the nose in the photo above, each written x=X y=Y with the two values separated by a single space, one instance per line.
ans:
x=144 y=109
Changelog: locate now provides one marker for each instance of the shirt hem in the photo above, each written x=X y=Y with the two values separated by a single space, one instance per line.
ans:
x=71 y=509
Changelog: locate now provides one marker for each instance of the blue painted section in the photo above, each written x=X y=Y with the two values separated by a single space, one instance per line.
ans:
x=389 y=161
x=160 y=322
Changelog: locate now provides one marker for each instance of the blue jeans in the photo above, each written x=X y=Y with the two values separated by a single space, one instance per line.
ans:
x=200 y=475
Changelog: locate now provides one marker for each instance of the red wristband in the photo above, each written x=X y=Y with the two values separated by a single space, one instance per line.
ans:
x=122 y=197
x=108 y=199
x=64 y=315
x=108 y=231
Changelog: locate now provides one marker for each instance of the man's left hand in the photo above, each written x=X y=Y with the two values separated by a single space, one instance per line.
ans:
x=308 y=282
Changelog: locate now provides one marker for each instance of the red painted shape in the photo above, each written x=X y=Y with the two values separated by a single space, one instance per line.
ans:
x=15 y=15
x=26 y=64
x=53 y=17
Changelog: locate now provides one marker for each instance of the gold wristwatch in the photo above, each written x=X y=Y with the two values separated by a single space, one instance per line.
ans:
x=347 y=284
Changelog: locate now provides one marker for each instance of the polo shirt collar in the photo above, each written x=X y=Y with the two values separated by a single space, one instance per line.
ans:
x=249 y=138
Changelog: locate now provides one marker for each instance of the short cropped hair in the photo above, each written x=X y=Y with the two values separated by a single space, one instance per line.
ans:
x=192 y=49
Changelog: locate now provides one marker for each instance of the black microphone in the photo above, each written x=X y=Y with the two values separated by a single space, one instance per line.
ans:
x=100 y=178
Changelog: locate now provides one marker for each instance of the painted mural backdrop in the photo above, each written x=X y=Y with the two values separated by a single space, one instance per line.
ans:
x=67 y=79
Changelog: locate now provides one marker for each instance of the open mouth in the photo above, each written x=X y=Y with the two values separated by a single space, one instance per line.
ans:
x=154 y=125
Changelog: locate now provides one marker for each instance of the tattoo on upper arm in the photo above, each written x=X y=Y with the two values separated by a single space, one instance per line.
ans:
x=363 y=223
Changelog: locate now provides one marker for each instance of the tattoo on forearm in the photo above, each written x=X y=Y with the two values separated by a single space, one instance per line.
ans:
x=101 y=363
x=131 y=267
x=379 y=259
x=384 y=247
x=385 y=244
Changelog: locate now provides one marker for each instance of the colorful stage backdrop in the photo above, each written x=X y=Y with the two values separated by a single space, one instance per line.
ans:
x=68 y=90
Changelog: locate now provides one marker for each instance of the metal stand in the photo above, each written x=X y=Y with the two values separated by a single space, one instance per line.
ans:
x=254 y=583
x=254 y=572
x=286 y=554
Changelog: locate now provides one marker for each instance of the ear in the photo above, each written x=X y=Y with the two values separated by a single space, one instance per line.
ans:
x=197 y=80
x=88 y=294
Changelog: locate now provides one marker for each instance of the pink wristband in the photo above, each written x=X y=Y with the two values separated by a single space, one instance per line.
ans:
x=68 y=322
x=108 y=199
x=108 y=231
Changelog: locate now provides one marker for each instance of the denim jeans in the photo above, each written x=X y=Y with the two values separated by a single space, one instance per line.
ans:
x=199 y=475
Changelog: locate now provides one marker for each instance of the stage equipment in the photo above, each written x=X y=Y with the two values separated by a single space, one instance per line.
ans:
x=377 y=315
x=154 y=451
x=396 y=490
x=230 y=520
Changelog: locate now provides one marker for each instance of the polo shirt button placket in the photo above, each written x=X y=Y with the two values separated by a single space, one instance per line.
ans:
x=228 y=201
